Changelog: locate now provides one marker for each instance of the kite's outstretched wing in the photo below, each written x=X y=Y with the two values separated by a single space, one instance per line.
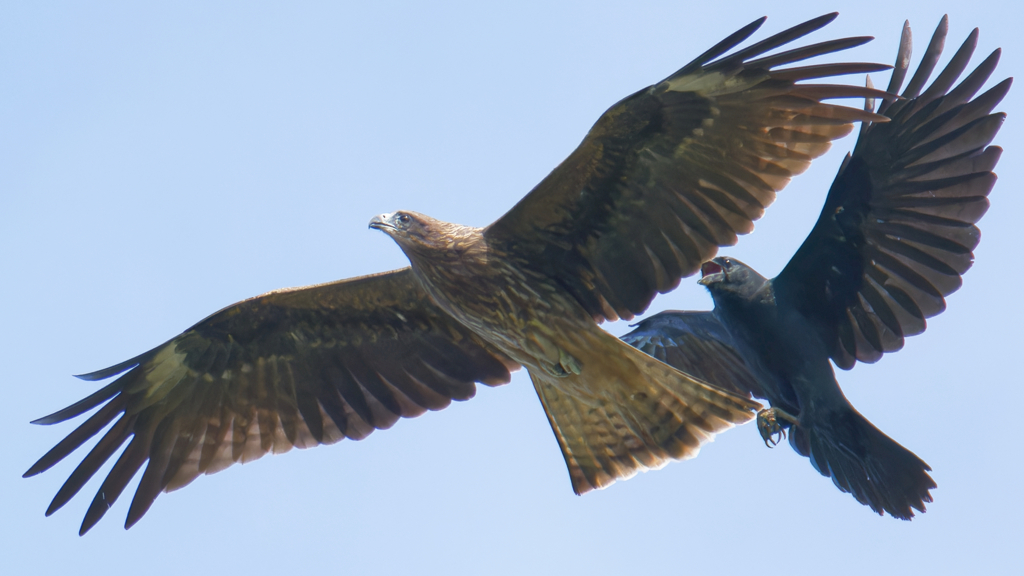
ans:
x=676 y=170
x=897 y=230
x=695 y=343
x=295 y=367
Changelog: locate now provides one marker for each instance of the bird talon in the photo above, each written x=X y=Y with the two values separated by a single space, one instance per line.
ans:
x=774 y=438
x=772 y=432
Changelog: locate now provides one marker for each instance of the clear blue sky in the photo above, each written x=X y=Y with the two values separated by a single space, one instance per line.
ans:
x=158 y=163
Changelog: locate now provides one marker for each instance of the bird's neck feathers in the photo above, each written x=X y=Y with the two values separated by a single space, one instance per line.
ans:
x=441 y=243
x=745 y=289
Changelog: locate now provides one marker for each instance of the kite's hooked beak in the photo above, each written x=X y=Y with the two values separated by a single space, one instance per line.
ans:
x=710 y=272
x=381 y=222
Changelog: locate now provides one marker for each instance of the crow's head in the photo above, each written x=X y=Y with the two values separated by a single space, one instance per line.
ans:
x=728 y=276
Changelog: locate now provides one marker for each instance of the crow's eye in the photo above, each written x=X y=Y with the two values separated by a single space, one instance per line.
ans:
x=403 y=219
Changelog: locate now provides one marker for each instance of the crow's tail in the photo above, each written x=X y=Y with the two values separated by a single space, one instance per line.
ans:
x=863 y=461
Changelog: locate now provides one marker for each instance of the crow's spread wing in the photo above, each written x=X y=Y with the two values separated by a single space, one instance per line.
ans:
x=291 y=368
x=897 y=230
x=695 y=343
x=674 y=171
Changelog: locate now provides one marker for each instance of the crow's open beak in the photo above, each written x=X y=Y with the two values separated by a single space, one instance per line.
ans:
x=710 y=272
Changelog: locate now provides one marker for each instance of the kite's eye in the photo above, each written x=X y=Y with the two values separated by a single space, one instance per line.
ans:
x=403 y=219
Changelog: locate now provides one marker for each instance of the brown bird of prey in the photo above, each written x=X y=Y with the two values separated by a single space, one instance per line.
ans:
x=664 y=178
x=895 y=235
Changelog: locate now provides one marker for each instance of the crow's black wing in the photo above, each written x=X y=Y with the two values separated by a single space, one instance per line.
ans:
x=695 y=343
x=897 y=230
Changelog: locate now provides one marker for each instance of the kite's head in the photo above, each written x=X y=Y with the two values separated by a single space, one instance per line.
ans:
x=396 y=223
x=724 y=275
x=419 y=233
x=403 y=227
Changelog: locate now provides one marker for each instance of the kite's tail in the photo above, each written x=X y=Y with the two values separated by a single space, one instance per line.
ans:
x=865 y=462
x=626 y=411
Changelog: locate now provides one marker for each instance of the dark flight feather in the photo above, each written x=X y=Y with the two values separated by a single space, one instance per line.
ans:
x=671 y=173
x=289 y=368
x=698 y=344
x=897 y=230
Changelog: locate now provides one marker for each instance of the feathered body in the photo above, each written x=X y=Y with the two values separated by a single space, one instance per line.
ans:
x=614 y=410
x=785 y=353
x=479 y=285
